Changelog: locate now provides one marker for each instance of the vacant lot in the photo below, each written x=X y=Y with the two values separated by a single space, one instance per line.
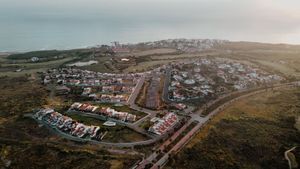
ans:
x=297 y=124
x=104 y=65
x=185 y=55
x=65 y=155
x=252 y=133
x=145 y=66
x=28 y=68
x=20 y=95
x=25 y=144
x=149 y=52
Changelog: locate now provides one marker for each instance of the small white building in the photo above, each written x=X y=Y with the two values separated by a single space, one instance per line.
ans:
x=35 y=59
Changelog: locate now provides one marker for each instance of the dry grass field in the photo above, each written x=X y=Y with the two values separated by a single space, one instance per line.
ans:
x=148 y=52
x=251 y=133
x=144 y=66
x=186 y=55
x=29 y=68
x=278 y=57
x=23 y=140
x=297 y=124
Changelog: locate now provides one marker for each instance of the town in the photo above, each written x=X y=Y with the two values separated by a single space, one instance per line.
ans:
x=166 y=101
x=132 y=84
x=206 y=78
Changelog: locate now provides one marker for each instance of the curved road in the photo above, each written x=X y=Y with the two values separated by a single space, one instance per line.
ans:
x=108 y=144
x=134 y=126
x=287 y=157
x=202 y=120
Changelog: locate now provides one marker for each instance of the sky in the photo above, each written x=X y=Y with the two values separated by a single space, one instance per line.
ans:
x=275 y=21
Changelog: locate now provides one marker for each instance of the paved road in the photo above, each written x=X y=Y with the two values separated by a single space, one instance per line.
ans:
x=175 y=135
x=154 y=155
x=136 y=91
x=132 y=105
x=203 y=120
x=107 y=144
x=97 y=116
x=287 y=157
x=134 y=126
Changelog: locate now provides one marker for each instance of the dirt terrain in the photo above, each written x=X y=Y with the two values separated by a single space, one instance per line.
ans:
x=251 y=133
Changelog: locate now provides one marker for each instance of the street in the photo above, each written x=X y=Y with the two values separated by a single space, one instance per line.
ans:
x=202 y=121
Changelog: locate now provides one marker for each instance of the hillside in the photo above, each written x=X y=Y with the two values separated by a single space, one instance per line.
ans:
x=252 y=133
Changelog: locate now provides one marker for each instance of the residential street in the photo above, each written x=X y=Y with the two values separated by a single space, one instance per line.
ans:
x=202 y=121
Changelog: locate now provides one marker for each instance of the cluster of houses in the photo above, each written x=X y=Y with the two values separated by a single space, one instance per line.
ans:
x=103 y=87
x=67 y=124
x=209 y=77
x=78 y=77
x=186 y=45
x=243 y=76
x=97 y=82
x=104 y=111
x=161 y=126
x=187 y=83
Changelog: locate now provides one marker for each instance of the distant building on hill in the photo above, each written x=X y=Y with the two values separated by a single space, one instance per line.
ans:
x=35 y=59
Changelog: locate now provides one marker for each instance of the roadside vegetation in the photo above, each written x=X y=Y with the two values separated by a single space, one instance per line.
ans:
x=20 y=95
x=52 y=156
x=47 y=55
x=23 y=140
x=251 y=133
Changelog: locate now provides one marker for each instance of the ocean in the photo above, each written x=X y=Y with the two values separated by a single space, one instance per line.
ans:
x=28 y=35
x=65 y=24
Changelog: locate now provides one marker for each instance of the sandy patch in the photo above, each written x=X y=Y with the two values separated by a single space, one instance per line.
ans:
x=79 y=64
